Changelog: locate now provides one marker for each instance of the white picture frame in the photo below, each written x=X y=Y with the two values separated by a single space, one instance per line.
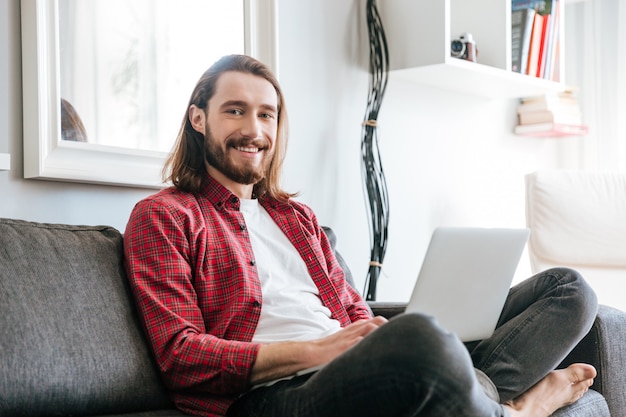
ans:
x=48 y=157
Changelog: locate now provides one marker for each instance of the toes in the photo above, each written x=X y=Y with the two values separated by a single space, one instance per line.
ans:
x=579 y=372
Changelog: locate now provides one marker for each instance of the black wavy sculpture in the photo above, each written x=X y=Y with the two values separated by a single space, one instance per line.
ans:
x=372 y=169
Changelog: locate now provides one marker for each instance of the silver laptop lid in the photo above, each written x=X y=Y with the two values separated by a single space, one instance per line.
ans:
x=465 y=278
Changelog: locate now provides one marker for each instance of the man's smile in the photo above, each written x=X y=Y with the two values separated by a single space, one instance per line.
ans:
x=248 y=149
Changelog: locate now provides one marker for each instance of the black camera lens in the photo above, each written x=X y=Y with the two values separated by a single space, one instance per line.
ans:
x=457 y=47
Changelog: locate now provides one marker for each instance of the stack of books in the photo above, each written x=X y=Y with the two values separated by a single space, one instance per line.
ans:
x=535 y=38
x=556 y=114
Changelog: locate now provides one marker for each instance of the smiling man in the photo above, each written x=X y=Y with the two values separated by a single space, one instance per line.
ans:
x=244 y=113
x=248 y=312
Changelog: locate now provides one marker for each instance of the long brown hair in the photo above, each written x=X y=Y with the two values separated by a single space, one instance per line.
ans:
x=72 y=127
x=185 y=167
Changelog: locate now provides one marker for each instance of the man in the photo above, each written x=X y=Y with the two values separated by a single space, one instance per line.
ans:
x=241 y=295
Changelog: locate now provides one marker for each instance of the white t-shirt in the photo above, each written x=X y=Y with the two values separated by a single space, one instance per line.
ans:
x=292 y=309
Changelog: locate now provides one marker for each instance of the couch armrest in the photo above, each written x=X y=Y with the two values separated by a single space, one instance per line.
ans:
x=605 y=348
x=387 y=309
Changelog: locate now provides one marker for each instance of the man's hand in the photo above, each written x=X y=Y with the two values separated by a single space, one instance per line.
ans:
x=277 y=360
x=328 y=348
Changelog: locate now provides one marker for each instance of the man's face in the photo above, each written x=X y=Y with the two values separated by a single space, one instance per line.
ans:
x=240 y=128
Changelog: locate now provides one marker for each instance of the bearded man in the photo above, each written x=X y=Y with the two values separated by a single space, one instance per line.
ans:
x=248 y=312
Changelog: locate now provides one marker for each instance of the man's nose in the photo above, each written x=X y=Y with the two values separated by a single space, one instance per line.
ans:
x=251 y=127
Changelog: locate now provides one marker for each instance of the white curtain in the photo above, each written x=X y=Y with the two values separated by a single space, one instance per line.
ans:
x=595 y=61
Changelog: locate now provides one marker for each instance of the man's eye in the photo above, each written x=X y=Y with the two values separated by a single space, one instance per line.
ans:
x=235 y=112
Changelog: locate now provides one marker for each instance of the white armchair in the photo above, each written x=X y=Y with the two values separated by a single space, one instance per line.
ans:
x=578 y=219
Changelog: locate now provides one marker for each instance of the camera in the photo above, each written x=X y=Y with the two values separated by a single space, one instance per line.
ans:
x=464 y=47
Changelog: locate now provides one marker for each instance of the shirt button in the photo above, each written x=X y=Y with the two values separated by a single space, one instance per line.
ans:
x=242 y=226
x=234 y=200
x=252 y=262
x=256 y=304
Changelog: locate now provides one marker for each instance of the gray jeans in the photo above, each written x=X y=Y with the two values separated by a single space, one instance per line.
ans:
x=412 y=367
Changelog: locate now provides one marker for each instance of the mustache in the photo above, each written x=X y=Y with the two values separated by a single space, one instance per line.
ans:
x=247 y=142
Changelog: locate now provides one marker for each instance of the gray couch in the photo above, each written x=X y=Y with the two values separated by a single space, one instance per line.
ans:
x=71 y=343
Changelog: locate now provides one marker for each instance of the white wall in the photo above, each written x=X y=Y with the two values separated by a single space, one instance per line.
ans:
x=449 y=159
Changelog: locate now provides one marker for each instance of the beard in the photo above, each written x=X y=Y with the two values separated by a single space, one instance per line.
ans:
x=246 y=174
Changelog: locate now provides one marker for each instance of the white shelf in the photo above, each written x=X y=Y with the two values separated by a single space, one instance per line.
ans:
x=419 y=33
x=477 y=79
x=5 y=162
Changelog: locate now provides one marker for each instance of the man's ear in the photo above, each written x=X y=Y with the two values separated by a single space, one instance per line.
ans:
x=197 y=117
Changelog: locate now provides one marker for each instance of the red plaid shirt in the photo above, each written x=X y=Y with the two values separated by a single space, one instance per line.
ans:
x=192 y=272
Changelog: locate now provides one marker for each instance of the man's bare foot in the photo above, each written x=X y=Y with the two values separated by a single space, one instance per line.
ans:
x=558 y=389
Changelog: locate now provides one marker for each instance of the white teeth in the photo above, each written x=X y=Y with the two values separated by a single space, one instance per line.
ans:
x=245 y=149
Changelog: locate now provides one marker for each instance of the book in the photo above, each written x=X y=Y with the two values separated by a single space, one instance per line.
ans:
x=535 y=45
x=549 y=72
x=559 y=116
x=569 y=93
x=542 y=38
x=517 y=20
x=563 y=104
x=551 y=130
x=521 y=30
x=543 y=45
x=548 y=102
x=556 y=63
x=540 y=6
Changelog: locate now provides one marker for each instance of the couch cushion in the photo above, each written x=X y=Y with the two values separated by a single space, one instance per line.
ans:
x=577 y=217
x=591 y=404
x=70 y=342
x=155 y=413
x=332 y=239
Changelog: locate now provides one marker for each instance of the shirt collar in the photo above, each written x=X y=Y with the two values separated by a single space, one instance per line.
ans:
x=218 y=195
x=221 y=197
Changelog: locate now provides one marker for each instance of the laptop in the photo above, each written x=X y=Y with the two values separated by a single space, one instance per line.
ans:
x=465 y=278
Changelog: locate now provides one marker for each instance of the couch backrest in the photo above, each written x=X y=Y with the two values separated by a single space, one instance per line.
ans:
x=70 y=339
x=578 y=219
